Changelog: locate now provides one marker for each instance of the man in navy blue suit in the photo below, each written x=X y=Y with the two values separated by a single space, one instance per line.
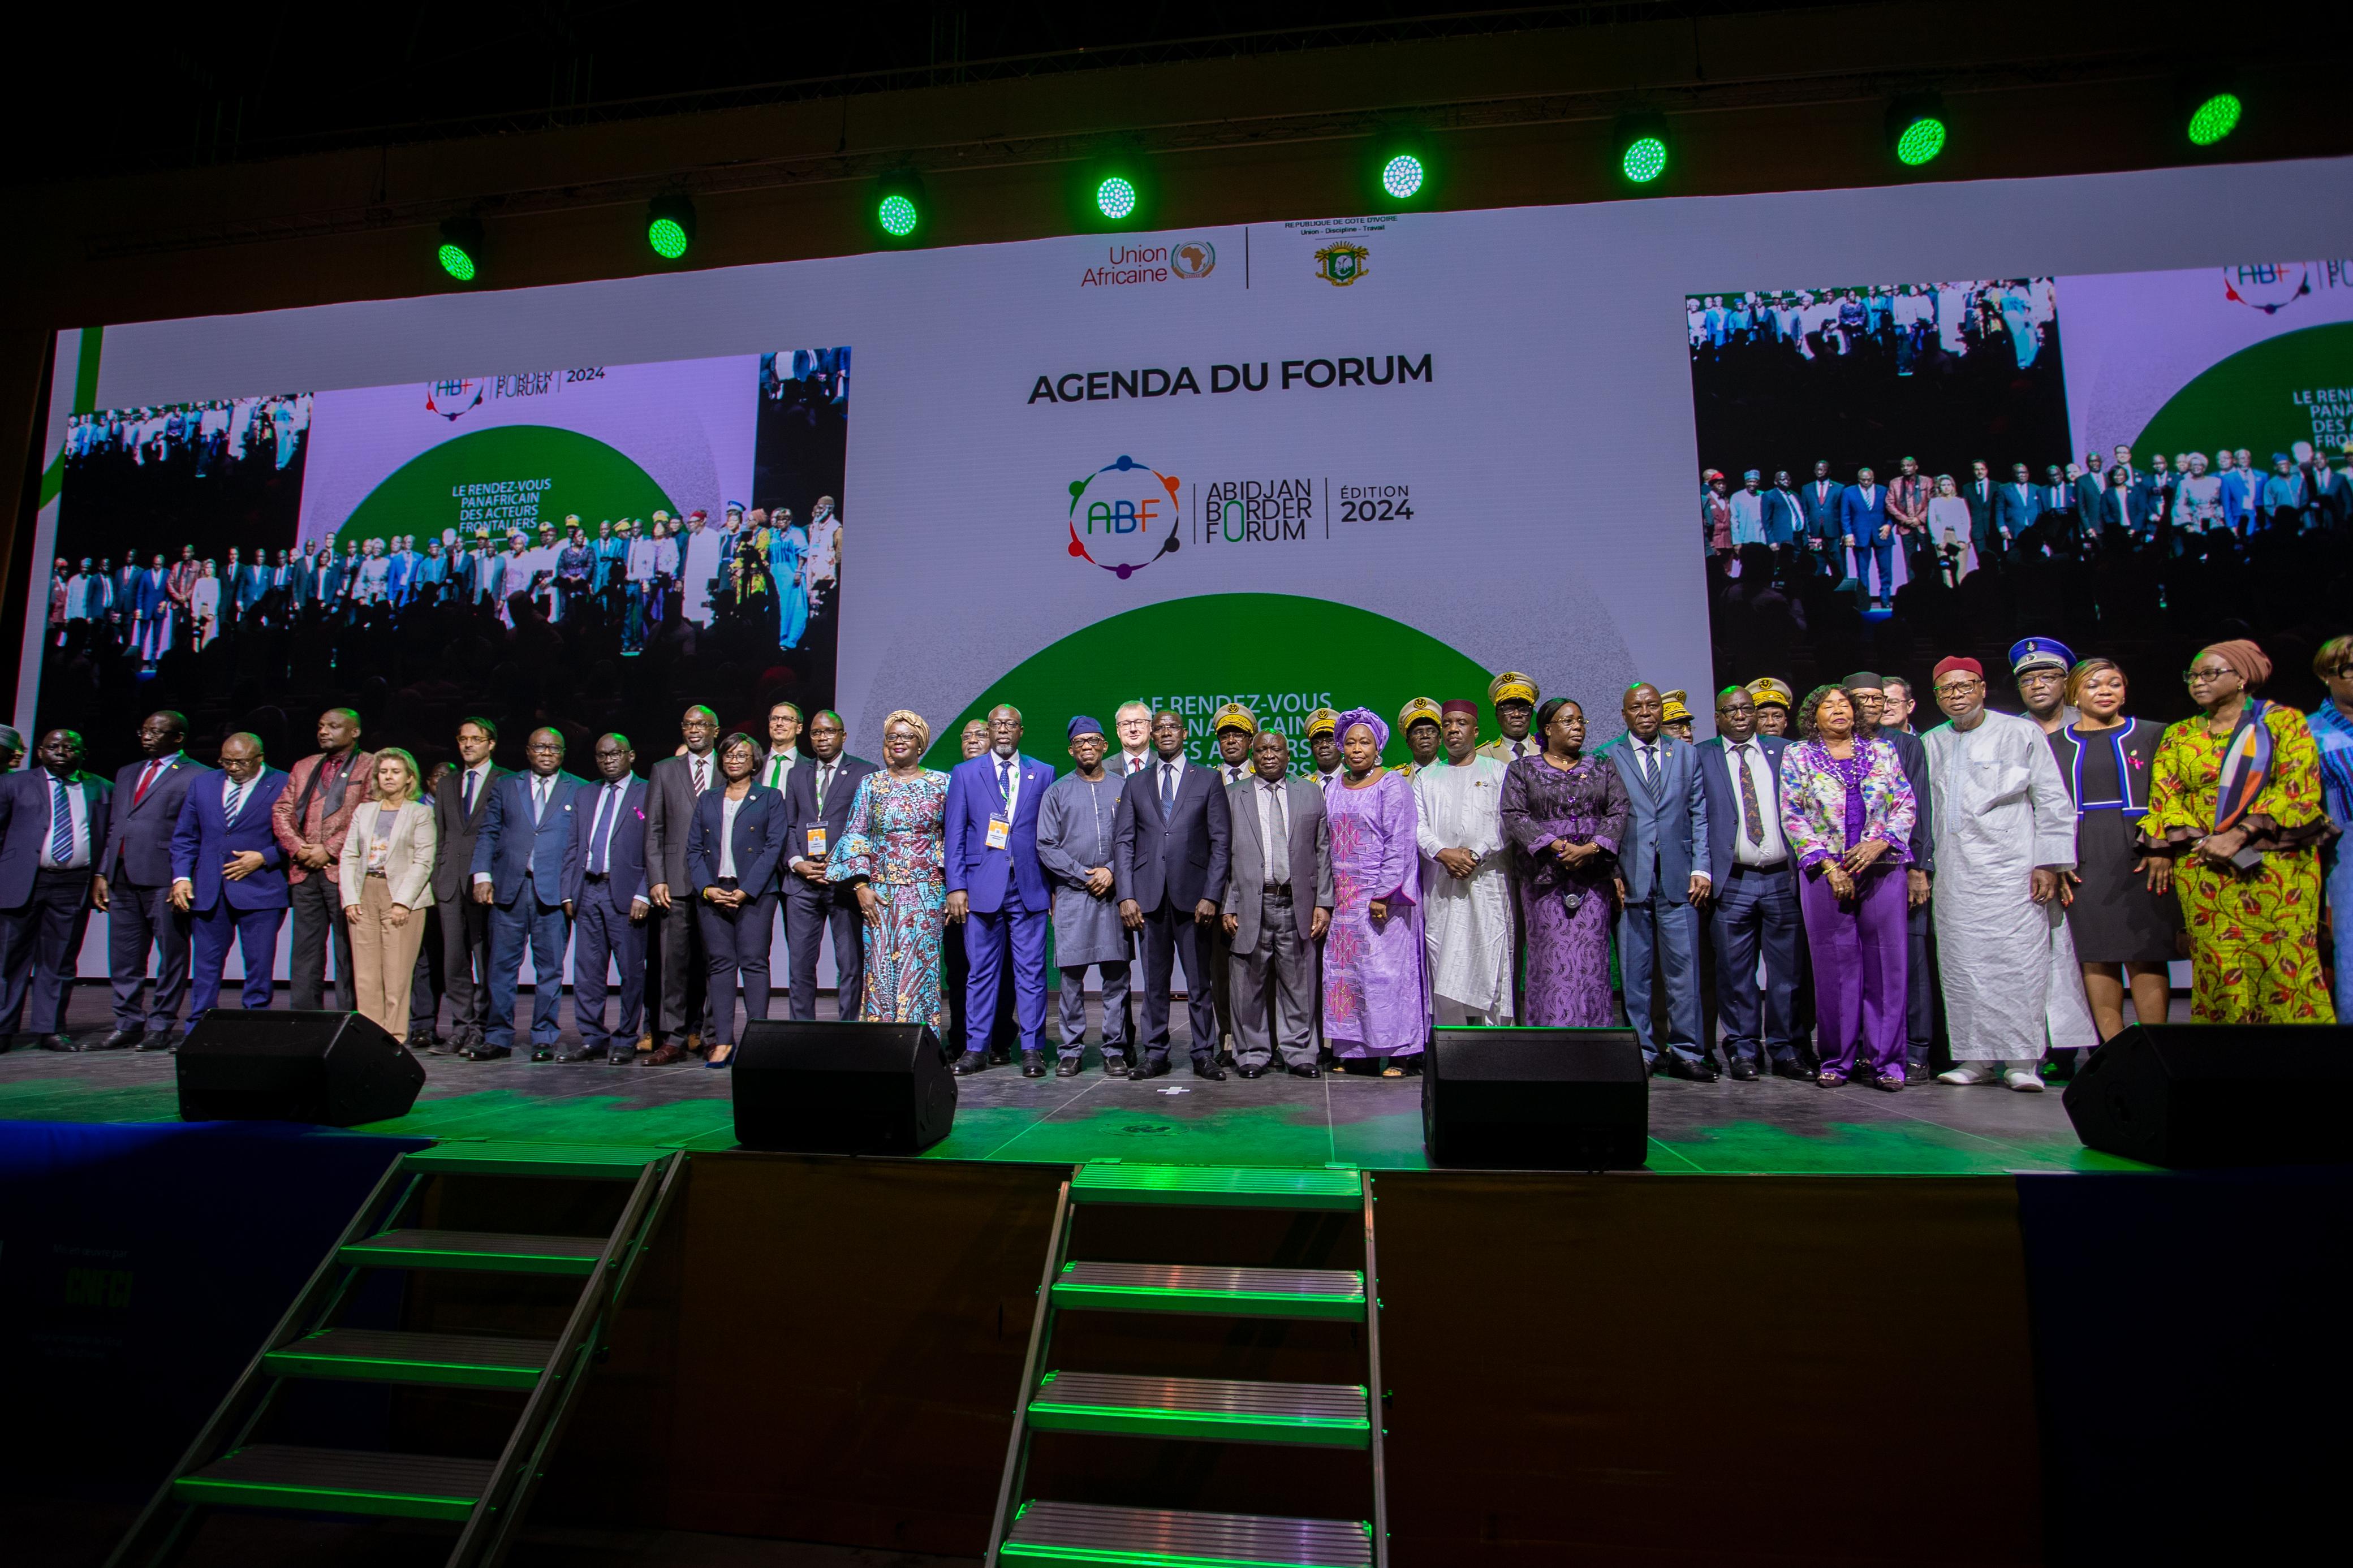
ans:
x=1662 y=878
x=52 y=825
x=1820 y=499
x=997 y=888
x=134 y=887
x=522 y=869
x=817 y=794
x=228 y=872
x=1864 y=527
x=608 y=867
x=1171 y=838
x=1753 y=891
x=2016 y=507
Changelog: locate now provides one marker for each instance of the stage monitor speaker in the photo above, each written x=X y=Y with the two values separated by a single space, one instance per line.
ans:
x=841 y=1087
x=337 y=1070
x=2218 y=1094
x=1575 y=1099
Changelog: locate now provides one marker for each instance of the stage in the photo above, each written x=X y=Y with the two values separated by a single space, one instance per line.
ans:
x=1771 y=1127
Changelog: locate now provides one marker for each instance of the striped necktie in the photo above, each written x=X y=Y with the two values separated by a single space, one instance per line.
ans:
x=61 y=829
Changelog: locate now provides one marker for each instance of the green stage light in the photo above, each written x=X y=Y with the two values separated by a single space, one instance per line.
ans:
x=1402 y=175
x=897 y=215
x=1116 y=197
x=460 y=249
x=1644 y=160
x=1920 y=140
x=670 y=227
x=2215 y=117
x=900 y=206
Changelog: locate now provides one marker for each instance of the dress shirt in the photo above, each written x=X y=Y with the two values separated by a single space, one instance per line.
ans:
x=77 y=807
x=727 y=810
x=542 y=789
x=1647 y=759
x=600 y=829
x=149 y=774
x=469 y=794
x=701 y=770
x=1133 y=761
x=779 y=764
x=1772 y=851
x=1273 y=806
x=1167 y=776
x=825 y=772
x=1007 y=773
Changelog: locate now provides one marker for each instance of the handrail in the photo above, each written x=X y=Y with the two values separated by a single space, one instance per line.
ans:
x=1379 y=1411
x=1015 y=1443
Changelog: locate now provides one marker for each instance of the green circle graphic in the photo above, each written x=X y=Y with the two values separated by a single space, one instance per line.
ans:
x=1281 y=654
x=2251 y=398
x=554 y=472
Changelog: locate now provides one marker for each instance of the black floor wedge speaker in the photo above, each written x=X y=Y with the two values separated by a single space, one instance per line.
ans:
x=841 y=1087
x=1572 y=1099
x=336 y=1069
x=2218 y=1094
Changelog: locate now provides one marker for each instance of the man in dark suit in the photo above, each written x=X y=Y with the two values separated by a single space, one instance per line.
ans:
x=673 y=786
x=2016 y=506
x=2091 y=490
x=53 y=820
x=522 y=872
x=1753 y=891
x=133 y=887
x=1169 y=848
x=1278 y=905
x=1662 y=878
x=1868 y=533
x=608 y=867
x=1977 y=495
x=818 y=793
x=228 y=873
x=458 y=807
x=997 y=888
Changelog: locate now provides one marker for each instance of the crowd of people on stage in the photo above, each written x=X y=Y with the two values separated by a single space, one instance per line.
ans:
x=1949 y=526
x=1853 y=878
x=751 y=561
x=1908 y=322
x=206 y=439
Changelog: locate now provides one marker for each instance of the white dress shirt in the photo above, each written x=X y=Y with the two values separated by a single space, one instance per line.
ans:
x=77 y=807
x=1772 y=851
x=1007 y=771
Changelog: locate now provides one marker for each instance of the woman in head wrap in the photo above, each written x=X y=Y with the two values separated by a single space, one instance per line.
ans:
x=2234 y=811
x=1564 y=812
x=891 y=852
x=1376 y=1003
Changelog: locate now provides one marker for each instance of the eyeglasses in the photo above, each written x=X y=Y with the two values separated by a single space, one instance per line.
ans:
x=2192 y=676
x=1957 y=687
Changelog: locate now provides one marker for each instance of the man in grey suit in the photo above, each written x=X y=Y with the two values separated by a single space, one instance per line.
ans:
x=1662 y=880
x=457 y=810
x=133 y=887
x=1282 y=849
x=1169 y=844
x=674 y=786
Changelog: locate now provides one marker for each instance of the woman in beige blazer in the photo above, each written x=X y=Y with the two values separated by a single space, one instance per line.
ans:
x=387 y=884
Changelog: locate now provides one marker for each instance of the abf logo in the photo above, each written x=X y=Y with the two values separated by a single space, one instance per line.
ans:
x=452 y=399
x=1341 y=265
x=2270 y=287
x=1123 y=517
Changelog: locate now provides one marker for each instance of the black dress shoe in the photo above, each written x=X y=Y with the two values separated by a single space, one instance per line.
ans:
x=583 y=1055
x=970 y=1063
x=1210 y=1069
x=1309 y=1070
x=1068 y=1067
x=542 y=1052
x=1744 y=1071
x=1688 y=1070
x=55 y=1042
x=117 y=1041
x=1791 y=1067
x=1116 y=1065
x=621 y=1054
x=1659 y=1064
x=483 y=1051
x=1033 y=1064
x=1249 y=1072
x=159 y=1040
x=1138 y=1073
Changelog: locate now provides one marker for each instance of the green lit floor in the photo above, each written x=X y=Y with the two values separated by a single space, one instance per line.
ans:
x=1773 y=1126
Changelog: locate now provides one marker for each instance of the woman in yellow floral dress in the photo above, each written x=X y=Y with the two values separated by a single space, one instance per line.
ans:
x=2235 y=804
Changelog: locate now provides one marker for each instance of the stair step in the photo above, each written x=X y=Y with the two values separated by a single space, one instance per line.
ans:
x=1230 y=1292
x=341 y=1481
x=1086 y=1535
x=1219 y=1187
x=575 y=1162
x=482 y=1251
x=1209 y=1409
x=397 y=1356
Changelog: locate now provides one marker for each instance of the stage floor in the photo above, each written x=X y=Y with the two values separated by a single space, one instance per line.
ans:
x=1771 y=1127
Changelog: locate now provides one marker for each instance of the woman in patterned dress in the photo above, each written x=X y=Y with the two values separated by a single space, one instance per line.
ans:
x=892 y=851
x=1375 y=1000
x=2235 y=810
x=1563 y=814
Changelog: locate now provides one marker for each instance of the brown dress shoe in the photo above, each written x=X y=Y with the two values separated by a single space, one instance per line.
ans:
x=645 y=1042
x=694 y=1046
x=669 y=1054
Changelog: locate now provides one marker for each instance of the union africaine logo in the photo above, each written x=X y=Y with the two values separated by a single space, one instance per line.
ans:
x=1341 y=265
x=1123 y=516
x=453 y=399
x=1192 y=259
x=2270 y=287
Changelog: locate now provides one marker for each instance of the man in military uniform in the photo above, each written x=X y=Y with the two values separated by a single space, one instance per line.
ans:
x=1678 y=719
x=1514 y=697
x=1324 y=746
x=1774 y=701
x=1418 y=722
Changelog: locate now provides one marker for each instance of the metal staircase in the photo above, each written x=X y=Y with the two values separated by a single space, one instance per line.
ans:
x=1073 y=1534
x=228 y=1466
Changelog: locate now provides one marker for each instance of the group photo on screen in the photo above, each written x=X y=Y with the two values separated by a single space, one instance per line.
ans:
x=189 y=576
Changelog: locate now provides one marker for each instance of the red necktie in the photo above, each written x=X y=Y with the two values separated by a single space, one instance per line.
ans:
x=145 y=780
